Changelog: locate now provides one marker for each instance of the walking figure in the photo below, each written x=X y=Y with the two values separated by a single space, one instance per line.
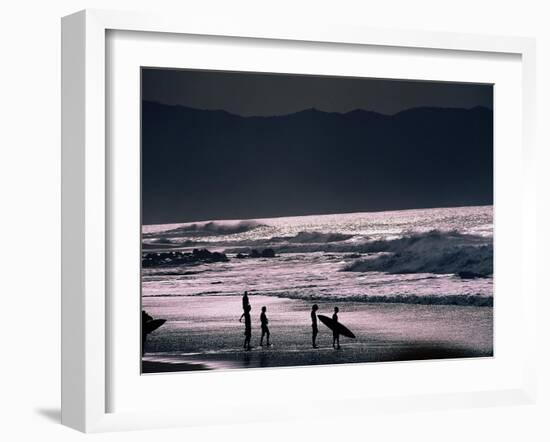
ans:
x=314 y=328
x=335 y=334
x=247 y=327
x=265 y=329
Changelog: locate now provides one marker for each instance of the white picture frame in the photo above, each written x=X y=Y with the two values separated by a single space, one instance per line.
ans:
x=86 y=212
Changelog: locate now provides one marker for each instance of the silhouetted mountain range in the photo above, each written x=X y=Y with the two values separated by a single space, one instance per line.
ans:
x=202 y=164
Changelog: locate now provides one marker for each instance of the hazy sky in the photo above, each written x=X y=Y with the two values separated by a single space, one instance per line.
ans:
x=251 y=94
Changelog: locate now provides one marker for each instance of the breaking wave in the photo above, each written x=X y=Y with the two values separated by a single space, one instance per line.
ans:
x=211 y=228
x=314 y=237
x=432 y=252
x=417 y=246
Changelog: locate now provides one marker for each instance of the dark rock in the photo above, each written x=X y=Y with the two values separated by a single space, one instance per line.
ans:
x=265 y=253
x=198 y=256
x=268 y=253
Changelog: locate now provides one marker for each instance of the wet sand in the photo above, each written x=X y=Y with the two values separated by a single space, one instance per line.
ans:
x=203 y=333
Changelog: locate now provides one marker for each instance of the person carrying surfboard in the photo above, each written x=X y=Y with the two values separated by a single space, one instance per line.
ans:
x=148 y=325
x=314 y=328
x=265 y=329
x=335 y=334
x=338 y=329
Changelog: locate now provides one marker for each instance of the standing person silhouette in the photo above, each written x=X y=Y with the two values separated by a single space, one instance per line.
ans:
x=246 y=303
x=247 y=327
x=335 y=334
x=314 y=328
x=265 y=329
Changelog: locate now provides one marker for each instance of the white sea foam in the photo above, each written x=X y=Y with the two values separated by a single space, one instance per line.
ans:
x=424 y=256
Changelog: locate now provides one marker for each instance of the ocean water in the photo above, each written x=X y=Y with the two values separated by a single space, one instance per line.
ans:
x=421 y=256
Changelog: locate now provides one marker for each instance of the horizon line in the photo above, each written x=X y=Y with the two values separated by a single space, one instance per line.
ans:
x=313 y=109
x=317 y=214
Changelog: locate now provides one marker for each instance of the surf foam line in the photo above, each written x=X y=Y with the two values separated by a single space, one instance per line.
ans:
x=476 y=300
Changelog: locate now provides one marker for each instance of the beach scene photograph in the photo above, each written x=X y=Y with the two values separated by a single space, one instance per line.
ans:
x=302 y=220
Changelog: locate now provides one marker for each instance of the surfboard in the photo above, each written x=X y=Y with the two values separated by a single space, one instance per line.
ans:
x=336 y=326
x=152 y=325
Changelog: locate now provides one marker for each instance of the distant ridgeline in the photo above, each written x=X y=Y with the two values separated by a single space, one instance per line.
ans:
x=200 y=164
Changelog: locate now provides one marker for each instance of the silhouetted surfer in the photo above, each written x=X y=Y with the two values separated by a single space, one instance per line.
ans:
x=145 y=317
x=246 y=303
x=148 y=325
x=247 y=327
x=335 y=334
x=314 y=328
x=265 y=329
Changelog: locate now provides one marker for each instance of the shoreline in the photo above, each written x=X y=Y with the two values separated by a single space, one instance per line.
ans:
x=203 y=333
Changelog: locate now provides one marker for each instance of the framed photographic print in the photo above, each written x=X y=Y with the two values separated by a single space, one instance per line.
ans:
x=304 y=205
x=278 y=207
